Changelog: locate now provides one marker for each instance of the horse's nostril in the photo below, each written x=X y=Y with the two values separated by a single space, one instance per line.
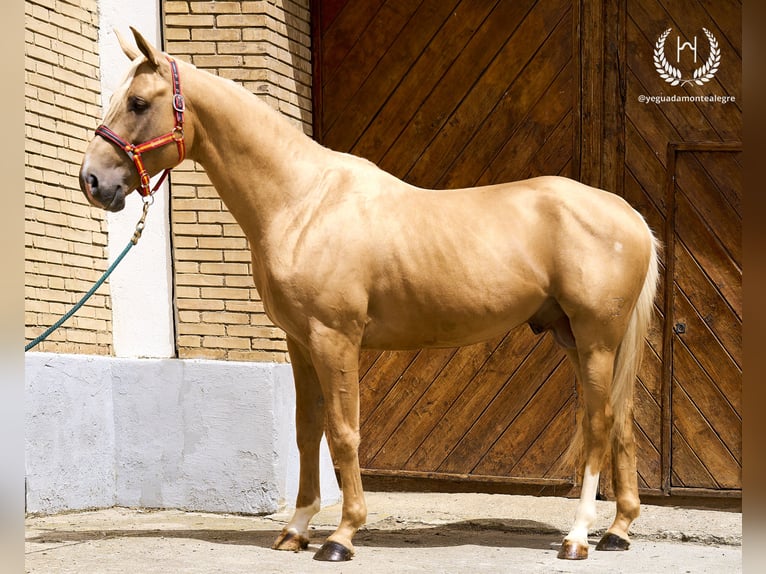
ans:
x=92 y=181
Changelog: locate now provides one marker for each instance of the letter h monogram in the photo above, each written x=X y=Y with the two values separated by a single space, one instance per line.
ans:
x=692 y=47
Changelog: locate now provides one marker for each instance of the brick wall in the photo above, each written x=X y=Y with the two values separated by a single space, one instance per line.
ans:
x=65 y=238
x=265 y=45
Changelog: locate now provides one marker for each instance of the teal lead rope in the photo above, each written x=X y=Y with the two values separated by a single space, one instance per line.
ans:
x=148 y=200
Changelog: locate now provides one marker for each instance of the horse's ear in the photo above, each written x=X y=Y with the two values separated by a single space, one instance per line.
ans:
x=152 y=54
x=129 y=50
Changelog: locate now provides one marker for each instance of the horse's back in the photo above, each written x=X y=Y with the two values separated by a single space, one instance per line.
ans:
x=458 y=266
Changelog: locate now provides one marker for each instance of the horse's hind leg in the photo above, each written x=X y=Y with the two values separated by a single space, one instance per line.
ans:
x=595 y=368
x=309 y=418
x=625 y=484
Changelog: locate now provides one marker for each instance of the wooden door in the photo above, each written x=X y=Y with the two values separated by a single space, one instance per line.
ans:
x=705 y=331
x=681 y=169
x=453 y=93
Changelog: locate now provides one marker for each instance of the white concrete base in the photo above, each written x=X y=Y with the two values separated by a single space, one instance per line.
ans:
x=161 y=433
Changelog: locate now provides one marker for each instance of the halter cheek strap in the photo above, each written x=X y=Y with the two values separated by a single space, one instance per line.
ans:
x=134 y=152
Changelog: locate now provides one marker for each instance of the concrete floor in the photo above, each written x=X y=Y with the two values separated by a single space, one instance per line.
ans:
x=405 y=532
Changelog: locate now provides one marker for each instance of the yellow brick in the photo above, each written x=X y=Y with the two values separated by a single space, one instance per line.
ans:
x=216 y=35
x=193 y=47
x=241 y=281
x=177 y=34
x=215 y=7
x=183 y=292
x=61 y=65
x=225 y=269
x=198 y=255
x=222 y=242
x=200 y=304
x=201 y=329
x=250 y=306
x=222 y=253
x=185 y=242
x=189 y=316
x=189 y=341
x=199 y=353
x=244 y=21
x=224 y=293
x=195 y=19
x=225 y=318
x=254 y=331
x=173 y=7
x=226 y=342
x=200 y=280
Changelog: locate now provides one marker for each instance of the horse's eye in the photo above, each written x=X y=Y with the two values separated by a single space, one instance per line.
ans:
x=137 y=105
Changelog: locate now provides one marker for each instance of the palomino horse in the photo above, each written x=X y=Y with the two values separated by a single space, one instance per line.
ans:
x=347 y=256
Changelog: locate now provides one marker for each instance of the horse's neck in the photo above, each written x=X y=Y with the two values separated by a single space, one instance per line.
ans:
x=258 y=162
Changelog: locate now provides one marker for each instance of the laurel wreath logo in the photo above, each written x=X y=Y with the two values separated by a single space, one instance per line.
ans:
x=673 y=76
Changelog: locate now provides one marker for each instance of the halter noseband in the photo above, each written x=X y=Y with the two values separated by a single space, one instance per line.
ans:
x=176 y=136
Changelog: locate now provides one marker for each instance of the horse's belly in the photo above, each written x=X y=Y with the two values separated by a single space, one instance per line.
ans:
x=408 y=328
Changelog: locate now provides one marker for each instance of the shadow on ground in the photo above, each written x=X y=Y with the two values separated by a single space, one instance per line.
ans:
x=384 y=534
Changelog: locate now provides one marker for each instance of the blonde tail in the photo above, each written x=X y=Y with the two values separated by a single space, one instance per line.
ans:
x=631 y=348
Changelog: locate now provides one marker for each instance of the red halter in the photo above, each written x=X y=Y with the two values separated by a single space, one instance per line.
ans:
x=176 y=136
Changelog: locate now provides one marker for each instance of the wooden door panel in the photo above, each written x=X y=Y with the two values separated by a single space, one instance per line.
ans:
x=520 y=438
x=702 y=440
x=543 y=458
x=699 y=335
x=449 y=94
x=705 y=297
x=346 y=67
x=382 y=375
x=506 y=91
x=691 y=196
x=463 y=76
x=471 y=403
x=438 y=398
x=706 y=392
x=506 y=403
x=722 y=222
x=725 y=172
x=390 y=411
x=707 y=397
x=520 y=156
x=687 y=467
x=354 y=109
x=470 y=92
x=423 y=75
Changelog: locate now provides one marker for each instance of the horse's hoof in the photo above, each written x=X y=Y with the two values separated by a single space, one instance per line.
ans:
x=290 y=540
x=333 y=552
x=611 y=541
x=571 y=550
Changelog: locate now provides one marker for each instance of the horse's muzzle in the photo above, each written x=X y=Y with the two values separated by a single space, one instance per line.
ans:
x=107 y=197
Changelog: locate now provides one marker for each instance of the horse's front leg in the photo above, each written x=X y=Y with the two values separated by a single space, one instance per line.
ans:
x=309 y=423
x=336 y=358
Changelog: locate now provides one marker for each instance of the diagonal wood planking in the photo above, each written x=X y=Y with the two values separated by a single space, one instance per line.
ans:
x=455 y=94
x=468 y=92
x=700 y=225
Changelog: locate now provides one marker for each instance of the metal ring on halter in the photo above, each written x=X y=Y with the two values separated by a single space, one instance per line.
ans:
x=179 y=104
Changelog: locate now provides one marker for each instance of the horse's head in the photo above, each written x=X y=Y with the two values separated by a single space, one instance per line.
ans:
x=142 y=133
